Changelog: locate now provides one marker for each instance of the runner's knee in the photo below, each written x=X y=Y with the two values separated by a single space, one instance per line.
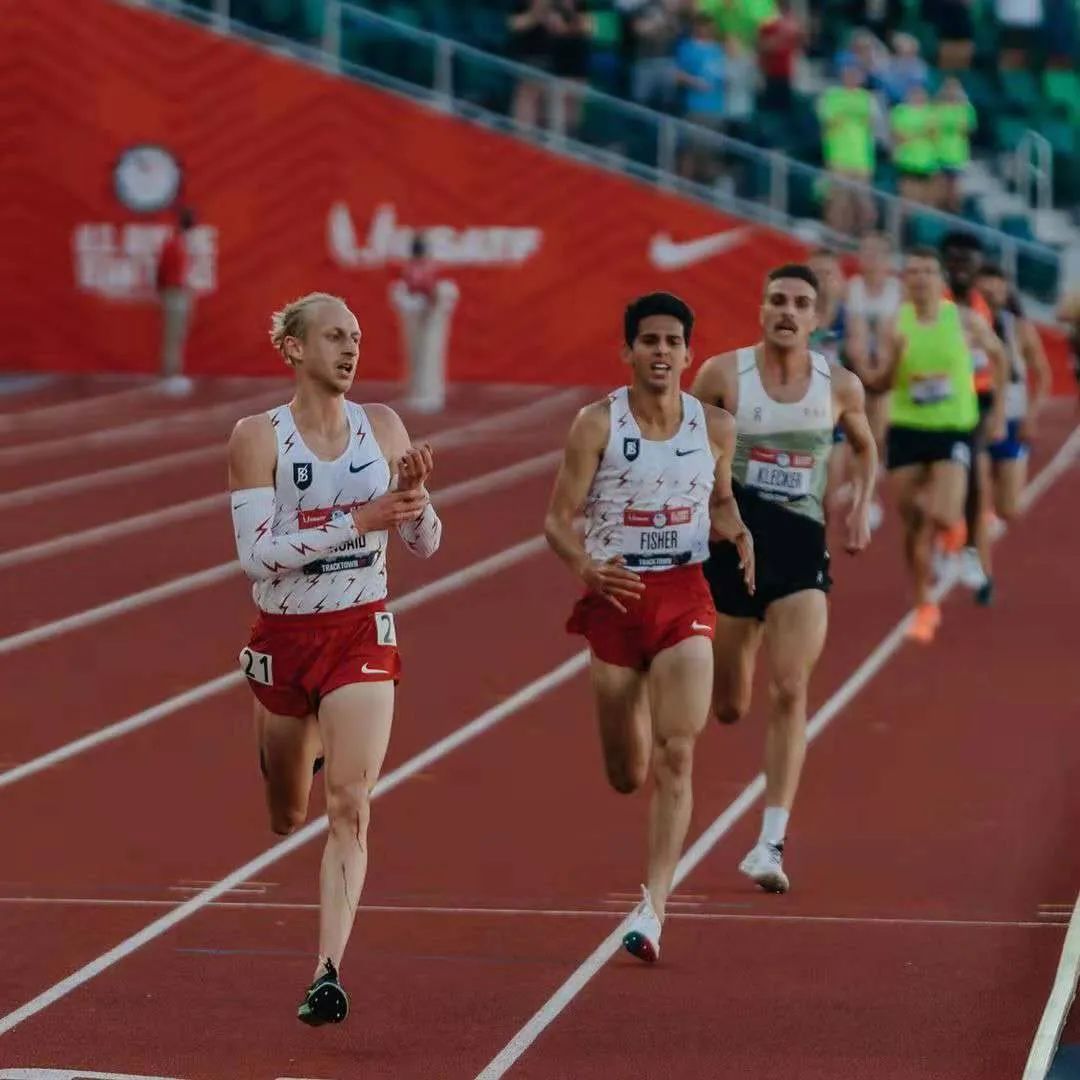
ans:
x=729 y=710
x=624 y=774
x=674 y=760
x=348 y=806
x=284 y=821
x=788 y=692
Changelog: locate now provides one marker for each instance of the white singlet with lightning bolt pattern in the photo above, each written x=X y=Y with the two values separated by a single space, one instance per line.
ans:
x=308 y=492
x=649 y=500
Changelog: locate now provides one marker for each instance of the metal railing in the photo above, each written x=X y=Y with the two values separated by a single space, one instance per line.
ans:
x=759 y=183
x=1034 y=170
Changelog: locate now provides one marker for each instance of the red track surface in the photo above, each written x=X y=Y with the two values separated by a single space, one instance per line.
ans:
x=937 y=813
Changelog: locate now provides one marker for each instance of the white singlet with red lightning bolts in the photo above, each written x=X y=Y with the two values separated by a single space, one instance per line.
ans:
x=307 y=493
x=649 y=500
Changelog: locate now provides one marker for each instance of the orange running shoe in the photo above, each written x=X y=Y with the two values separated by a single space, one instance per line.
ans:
x=924 y=623
x=952 y=539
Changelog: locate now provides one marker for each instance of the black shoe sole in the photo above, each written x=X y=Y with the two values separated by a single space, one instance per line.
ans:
x=329 y=1004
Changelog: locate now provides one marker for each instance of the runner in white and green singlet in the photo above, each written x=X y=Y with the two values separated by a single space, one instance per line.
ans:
x=786 y=401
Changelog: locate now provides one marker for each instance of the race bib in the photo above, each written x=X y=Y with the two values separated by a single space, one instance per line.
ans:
x=780 y=472
x=656 y=537
x=257 y=666
x=931 y=389
x=350 y=555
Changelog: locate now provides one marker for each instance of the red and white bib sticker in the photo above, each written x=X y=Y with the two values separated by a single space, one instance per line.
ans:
x=780 y=472
x=930 y=389
x=657 y=519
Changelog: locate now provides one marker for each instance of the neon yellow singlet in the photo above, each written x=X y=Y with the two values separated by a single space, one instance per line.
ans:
x=934 y=389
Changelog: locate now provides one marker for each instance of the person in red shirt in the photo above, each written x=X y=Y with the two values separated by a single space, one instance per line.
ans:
x=779 y=42
x=177 y=299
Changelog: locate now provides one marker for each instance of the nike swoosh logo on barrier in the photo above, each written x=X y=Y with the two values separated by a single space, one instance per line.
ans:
x=354 y=469
x=373 y=670
x=668 y=254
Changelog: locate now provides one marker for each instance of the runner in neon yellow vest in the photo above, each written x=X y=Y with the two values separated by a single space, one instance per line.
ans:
x=933 y=411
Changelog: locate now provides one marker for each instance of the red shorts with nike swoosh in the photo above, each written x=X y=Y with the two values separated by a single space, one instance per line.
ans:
x=293 y=661
x=676 y=605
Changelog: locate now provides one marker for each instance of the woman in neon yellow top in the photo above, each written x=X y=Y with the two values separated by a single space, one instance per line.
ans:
x=913 y=126
x=847 y=116
x=955 y=121
x=926 y=362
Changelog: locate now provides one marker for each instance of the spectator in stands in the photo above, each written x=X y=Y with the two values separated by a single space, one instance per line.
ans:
x=530 y=43
x=911 y=124
x=701 y=66
x=955 y=121
x=880 y=17
x=742 y=19
x=741 y=87
x=177 y=302
x=955 y=28
x=847 y=114
x=570 y=28
x=904 y=69
x=552 y=35
x=1019 y=22
x=866 y=54
x=780 y=43
x=656 y=25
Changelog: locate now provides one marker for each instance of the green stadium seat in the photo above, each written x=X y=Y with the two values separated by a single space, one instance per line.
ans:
x=1018 y=225
x=1062 y=89
x=1008 y=131
x=1021 y=91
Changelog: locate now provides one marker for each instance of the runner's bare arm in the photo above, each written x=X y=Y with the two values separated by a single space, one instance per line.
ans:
x=890 y=348
x=584 y=449
x=412 y=465
x=725 y=521
x=713 y=383
x=1041 y=376
x=983 y=337
x=252 y=460
x=857 y=346
x=850 y=400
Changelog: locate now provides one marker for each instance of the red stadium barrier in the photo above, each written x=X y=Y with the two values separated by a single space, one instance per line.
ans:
x=302 y=181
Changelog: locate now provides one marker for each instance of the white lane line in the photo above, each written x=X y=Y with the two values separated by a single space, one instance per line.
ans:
x=50 y=414
x=459 y=579
x=140 y=429
x=701 y=847
x=1062 y=994
x=461 y=435
x=552 y=913
x=70 y=485
x=477 y=485
x=76 y=485
x=524 y=697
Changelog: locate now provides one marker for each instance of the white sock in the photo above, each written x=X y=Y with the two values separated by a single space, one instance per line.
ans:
x=774 y=825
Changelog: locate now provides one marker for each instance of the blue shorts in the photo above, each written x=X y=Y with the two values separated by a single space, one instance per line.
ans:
x=838 y=435
x=1011 y=448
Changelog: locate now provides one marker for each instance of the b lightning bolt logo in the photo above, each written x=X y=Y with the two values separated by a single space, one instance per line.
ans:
x=301 y=474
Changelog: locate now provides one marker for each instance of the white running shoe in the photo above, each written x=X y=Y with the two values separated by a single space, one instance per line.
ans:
x=970 y=569
x=876 y=515
x=642 y=939
x=764 y=865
